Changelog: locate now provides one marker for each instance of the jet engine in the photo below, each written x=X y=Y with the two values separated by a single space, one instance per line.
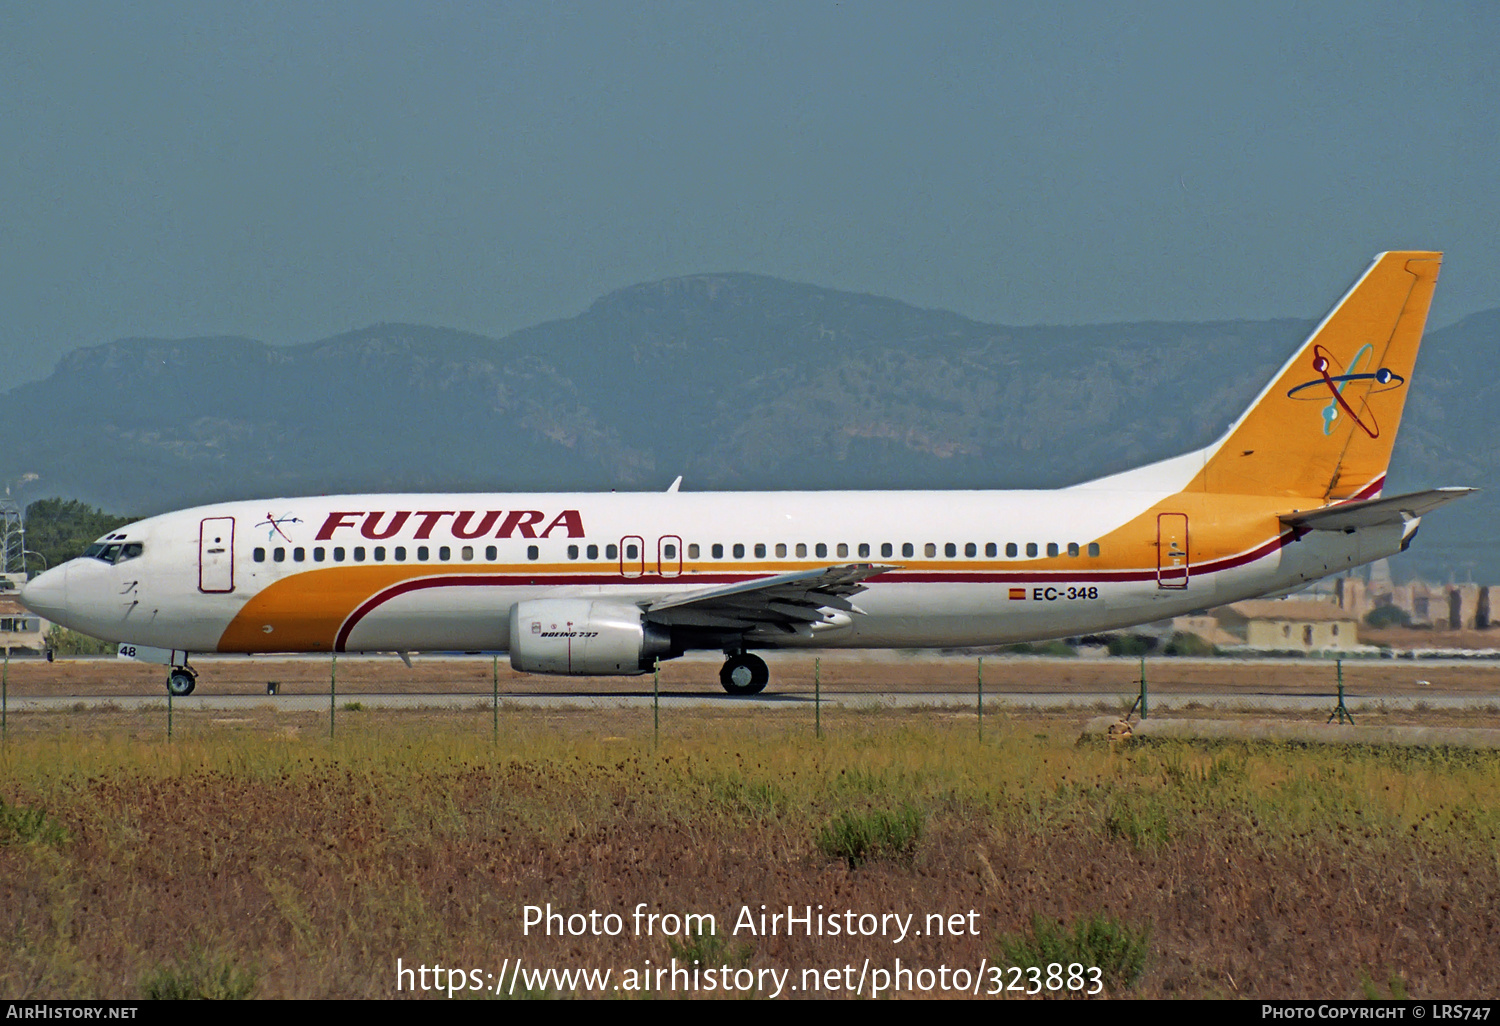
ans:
x=584 y=636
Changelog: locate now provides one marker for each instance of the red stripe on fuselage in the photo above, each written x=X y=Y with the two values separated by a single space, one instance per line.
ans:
x=891 y=577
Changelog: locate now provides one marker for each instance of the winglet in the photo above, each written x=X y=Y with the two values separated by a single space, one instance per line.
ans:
x=674 y=485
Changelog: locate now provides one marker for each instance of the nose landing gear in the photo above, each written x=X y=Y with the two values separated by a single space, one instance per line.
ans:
x=182 y=680
x=744 y=674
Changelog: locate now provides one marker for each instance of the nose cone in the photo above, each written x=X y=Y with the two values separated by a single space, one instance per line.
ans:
x=47 y=593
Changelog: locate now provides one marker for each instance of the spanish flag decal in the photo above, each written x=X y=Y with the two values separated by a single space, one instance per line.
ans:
x=1017 y=593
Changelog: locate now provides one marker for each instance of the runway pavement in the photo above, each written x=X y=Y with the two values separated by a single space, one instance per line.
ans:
x=635 y=699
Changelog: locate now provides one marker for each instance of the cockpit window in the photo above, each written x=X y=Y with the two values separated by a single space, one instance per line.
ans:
x=114 y=552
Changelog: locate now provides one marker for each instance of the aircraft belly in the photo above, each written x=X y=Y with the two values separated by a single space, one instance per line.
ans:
x=439 y=619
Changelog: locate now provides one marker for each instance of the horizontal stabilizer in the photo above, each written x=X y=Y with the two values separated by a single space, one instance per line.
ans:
x=1373 y=512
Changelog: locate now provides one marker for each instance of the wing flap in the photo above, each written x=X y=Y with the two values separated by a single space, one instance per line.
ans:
x=788 y=601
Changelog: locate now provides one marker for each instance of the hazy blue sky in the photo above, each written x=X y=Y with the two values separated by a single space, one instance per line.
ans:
x=288 y=171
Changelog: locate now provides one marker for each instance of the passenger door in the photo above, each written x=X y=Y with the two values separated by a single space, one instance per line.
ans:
x=216 y=555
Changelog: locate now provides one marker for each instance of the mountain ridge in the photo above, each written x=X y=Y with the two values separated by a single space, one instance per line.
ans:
x=738 y=381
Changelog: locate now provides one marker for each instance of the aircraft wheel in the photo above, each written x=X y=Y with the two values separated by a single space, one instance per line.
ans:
x=181 y=681
x=744 y=674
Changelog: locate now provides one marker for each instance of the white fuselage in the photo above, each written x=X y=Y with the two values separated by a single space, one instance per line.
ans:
x=349 y=573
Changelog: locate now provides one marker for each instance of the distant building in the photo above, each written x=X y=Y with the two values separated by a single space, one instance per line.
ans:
x=19 y=627
x=1451 y=607
x=1290 y=625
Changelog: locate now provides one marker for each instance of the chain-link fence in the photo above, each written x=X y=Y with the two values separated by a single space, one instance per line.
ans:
x=319 y=696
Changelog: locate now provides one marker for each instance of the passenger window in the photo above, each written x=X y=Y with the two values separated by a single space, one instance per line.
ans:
x=821 y=550
x=631 y=552
x=422 y=553
x=989 y=549
x=801 y=550
x=739 y=551
x=669 y=551
x=1011 y=550
x=843 y=550
x=908 y=549
x=592 y=552
x=780 y=550
x=864 y=549
x=259 y=555
x=318 y=554
x=971 y=549
x=338 y=553
x=1052 y=548
x=445 y=553
x=1093 y=548
x=572 y=551
x=611 y=551
x=531 y=552
x=1031 y=548
x=279 y=555
x=468 y=553
x=298 y=555
x=380 y=553
x=886 y=549
x=1072 y=548
x=400 y=553
x=491 y=553
x=950 y=550
x=717 y=551
x=929 y=550
x=692 y=550
x=760 y=550
x=359 y=553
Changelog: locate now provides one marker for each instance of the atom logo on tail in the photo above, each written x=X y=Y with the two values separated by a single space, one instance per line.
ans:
x=1382 y=380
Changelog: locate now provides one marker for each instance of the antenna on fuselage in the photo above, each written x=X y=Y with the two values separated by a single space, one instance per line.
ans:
x=674 y=485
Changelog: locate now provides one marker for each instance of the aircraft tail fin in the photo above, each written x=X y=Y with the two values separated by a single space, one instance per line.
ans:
x=1325 y=424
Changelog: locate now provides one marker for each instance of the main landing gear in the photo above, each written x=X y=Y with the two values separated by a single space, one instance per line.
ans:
x=182 y=680
x=744 y=674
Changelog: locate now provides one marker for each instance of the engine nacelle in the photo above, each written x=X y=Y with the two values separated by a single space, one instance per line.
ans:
x=583 y=636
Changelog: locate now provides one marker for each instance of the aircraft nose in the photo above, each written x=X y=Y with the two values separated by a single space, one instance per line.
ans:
x=47 y=593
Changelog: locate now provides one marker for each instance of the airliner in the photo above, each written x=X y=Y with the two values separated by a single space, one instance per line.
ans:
x=605 y=584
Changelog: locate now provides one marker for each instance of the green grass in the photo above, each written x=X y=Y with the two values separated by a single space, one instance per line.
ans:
x=198 y=976
x=859 y=837
x=1099 y=941
x=20 y=825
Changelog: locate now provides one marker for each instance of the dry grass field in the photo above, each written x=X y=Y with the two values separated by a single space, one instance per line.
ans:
x=241 y=861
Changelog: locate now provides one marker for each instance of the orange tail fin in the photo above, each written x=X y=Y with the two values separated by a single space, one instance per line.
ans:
x=1325 y=425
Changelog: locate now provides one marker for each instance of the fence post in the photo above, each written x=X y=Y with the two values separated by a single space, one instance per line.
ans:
x=1144 y=711
x=169 y=712
x=495 y=681
x=981 y=700
x=818 y=697
x=5 y=696
x=655 y=702
x=333 y=689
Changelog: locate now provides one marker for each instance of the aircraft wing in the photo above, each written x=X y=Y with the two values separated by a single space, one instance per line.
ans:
x=786 y=600
x=1373 y=512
